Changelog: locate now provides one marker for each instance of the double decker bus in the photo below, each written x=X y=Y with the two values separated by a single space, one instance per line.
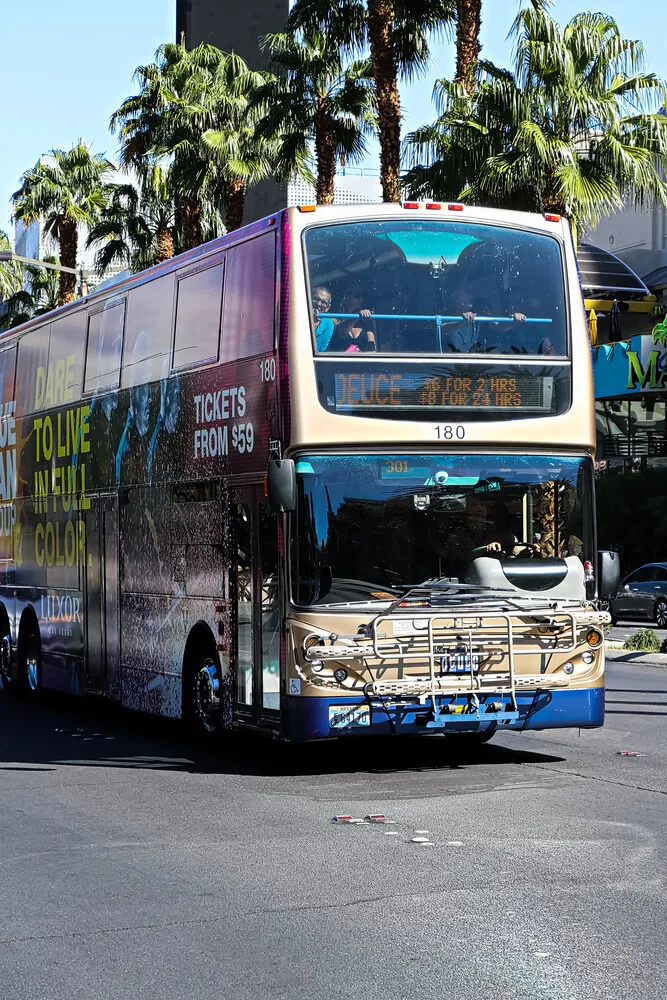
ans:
x=330 y=474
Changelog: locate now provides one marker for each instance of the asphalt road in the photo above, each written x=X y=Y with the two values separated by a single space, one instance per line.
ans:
x=135 y=866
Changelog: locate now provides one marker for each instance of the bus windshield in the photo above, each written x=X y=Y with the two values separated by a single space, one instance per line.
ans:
x=368 y=527
x=423 y=287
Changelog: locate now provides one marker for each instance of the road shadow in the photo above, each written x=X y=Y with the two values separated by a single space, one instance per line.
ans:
x=63 y=731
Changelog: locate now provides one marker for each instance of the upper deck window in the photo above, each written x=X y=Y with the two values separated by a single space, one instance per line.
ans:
x=146 y=352
x=435 y=288
x=249 y=300
x=198 y=307
x=105 y=345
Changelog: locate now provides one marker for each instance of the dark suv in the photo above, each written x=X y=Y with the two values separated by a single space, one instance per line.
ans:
x=643 y=594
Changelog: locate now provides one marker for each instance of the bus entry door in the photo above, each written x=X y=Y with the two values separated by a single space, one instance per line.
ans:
x=257 y=587
x=101 y=600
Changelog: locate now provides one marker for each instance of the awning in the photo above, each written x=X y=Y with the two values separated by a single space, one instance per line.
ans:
x=605 y=276
x=656 y=279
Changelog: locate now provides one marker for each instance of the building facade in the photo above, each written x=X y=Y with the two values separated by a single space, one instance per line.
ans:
x=638 y=235
x=238 y=29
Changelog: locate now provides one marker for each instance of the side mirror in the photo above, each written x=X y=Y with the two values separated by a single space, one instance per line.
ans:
x=281 y=484
x=609 y=574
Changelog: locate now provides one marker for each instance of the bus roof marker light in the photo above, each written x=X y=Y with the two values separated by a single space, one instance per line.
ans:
x=433 y=205
x=307 y=208
x=455 y=208
x=410 y=204
x=551 y=218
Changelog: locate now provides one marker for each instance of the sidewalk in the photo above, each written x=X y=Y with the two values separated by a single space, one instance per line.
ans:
x=629 y=656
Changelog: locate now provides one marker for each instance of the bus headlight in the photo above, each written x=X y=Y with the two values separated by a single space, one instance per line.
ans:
x=316 y=666
x=340 y=673
x=312 y=640
x=588 y=657
x=568 y=668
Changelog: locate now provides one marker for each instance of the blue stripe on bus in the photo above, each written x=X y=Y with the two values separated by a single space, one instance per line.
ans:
x=306 y=718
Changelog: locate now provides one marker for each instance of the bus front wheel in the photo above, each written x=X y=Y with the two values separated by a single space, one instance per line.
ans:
x=202 y=693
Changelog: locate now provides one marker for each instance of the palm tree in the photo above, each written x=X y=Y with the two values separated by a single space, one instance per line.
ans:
x=193 y=112
x=575 y=129
x=136 y=229
x=397 y=33
x=315 y=100
x=226 y=153
x=11 y=272
x=468 y=25
x=43 y=296
x=144 y=123
x=64 y=190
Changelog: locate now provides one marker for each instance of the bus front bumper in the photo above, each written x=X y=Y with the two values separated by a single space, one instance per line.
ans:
x=308 y=718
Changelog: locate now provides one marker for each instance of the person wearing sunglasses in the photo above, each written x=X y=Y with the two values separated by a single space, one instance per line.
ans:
x=324 y=325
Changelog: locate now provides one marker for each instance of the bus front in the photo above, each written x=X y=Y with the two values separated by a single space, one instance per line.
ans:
x=441 y=562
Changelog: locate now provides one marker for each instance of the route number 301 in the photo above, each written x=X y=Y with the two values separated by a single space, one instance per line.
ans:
x=450 y=432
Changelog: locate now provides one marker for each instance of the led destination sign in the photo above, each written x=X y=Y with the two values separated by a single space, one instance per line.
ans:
x=368 y=391
x=395 y=390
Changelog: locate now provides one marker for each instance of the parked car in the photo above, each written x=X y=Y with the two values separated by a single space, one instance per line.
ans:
x=643 y=594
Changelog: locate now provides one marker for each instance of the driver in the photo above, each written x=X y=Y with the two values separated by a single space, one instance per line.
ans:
x=491 y=536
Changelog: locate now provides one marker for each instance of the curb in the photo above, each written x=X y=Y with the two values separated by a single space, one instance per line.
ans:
x=643 y=659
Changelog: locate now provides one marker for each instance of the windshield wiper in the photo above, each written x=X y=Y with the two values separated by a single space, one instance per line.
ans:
x=450 y=588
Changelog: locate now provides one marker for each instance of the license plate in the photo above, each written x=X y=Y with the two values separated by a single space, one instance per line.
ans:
x=459 y=663
x=348 y=716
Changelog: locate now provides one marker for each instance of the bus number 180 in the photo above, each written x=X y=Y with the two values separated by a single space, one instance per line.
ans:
x=449 y=432
x=267 y=369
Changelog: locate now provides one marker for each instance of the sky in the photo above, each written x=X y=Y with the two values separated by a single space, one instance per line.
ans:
x=67 y=66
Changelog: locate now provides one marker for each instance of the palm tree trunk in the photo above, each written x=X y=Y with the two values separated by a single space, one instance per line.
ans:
x=325 y=154
x=164 y=244
x=468 y=24
x=69 y=241
x=235 y=201
x=191 y=220
x=552 y=197
x=383 y=60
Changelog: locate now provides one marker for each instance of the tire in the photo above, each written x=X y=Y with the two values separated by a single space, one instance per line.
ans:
x=661 y=613
x=202 y=692
x=7 y=680
x=30 y=659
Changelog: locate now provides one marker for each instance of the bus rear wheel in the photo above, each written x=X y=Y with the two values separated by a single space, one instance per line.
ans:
x=7 y=680
x=202 y=710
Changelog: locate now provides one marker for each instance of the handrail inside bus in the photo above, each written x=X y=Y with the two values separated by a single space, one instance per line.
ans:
x=441 y=319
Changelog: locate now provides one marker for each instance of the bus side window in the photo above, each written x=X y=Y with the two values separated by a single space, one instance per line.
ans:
x=198 y=308
x=31 y=373
x=104 y=346
x=148 y=332
x=249 y=300
x=7 y=374
x=66 y=357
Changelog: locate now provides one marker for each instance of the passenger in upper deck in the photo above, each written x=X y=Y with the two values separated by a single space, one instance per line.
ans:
x=527 y=304
x=354 y=335
x=463 y=334
x=324 y=325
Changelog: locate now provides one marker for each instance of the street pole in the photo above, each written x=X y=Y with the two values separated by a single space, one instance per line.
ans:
x=8 y=256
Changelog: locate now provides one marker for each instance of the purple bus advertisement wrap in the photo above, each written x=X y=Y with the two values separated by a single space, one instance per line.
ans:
x=214 y=509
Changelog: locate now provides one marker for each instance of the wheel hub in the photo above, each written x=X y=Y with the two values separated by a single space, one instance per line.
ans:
x=5 y=656
x=207 y=696
x=32 y=673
